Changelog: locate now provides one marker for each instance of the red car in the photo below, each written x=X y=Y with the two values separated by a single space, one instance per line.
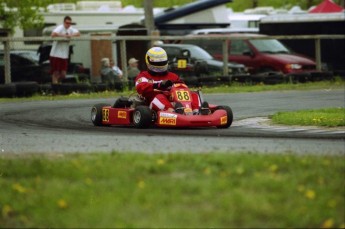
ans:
x=262 y=55
x=135 y=112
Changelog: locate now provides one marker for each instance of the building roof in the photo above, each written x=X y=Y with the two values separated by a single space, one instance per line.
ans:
x=327 y=6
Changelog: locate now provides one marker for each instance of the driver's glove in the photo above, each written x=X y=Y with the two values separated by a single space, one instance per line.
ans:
x=163 y=85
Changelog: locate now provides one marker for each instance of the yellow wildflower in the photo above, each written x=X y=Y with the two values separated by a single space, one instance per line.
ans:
x=88 y=181
x=160 y=162
x=62 y=204
x=328 y=223
x=207 y=171
x=310 y=194
x=273 y=168
x=18 y=188
x=141 y=184
x=6 y=210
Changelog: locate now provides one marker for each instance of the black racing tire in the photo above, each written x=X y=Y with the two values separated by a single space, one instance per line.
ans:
x=7 y=90
x=45 y=88
x=96 y=114
x=142 y=117
x=229 y=114
x=82 y=88
x=191 y=81
x=68 y=88
x=209 y=81
x=26 y=89
x=99 y=87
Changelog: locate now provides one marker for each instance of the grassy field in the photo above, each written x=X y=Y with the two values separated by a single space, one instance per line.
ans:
x=172 y=191
x=330 y=117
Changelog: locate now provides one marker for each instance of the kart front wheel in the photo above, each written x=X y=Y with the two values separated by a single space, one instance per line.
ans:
x=230 y=116
x=142 y=117
x=96 y=113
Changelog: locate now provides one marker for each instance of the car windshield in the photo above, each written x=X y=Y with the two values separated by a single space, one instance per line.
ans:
x=269 y=46
x=199 y=53
x=29 y=55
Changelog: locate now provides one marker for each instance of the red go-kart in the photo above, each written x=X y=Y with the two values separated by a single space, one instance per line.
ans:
x=133 y=111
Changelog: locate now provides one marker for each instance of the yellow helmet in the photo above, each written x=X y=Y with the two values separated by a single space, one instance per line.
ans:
x=156 y=60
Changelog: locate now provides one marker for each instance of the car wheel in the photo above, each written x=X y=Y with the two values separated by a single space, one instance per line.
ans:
x=96 y=114
x=142 y=117
x=230 y=116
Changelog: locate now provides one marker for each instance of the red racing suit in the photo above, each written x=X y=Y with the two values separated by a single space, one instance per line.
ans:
x=157 y=101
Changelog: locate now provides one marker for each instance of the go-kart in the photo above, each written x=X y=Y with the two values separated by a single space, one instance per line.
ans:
x=134 y=111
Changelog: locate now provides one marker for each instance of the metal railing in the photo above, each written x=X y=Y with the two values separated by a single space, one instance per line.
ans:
x=6 y=41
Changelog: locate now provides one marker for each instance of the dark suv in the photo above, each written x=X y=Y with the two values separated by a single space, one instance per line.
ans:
x=263 y=55
x=192 y=62
x=26 y=65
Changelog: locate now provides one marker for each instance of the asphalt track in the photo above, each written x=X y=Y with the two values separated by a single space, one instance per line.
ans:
x=65 y=127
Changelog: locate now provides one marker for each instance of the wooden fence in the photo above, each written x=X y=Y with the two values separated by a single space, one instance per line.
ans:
x=6 y=41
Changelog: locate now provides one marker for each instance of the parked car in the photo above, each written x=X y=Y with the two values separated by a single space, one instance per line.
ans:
x=261 y=55
x=26 y=66
x=197 y=62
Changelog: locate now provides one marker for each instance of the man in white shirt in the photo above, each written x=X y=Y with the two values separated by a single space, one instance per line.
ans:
x=116 y=68
x=60 y=50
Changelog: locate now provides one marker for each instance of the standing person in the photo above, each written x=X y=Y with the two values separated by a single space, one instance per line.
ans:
x=157 y=77
x=132 y=71
x=60 y=50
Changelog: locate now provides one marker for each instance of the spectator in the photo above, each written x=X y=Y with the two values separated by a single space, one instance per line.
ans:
x=59 y=53
x=116 y=68
x=133 y=71
x=110 y=76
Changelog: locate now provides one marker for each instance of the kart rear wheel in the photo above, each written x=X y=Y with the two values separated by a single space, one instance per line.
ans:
x=142 y=117
x=229 y=114
x=96 y=114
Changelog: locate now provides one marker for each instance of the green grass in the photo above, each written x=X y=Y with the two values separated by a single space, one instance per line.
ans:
x=240 y=88
x=328 y=117
x=235 y=88
x=172 y=190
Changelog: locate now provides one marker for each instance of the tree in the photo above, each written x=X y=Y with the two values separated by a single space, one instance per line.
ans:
x=23 y=13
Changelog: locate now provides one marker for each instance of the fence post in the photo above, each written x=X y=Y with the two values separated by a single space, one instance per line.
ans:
x=225 y=57
x=318 y=54
x=7 y=60
x=123 y=59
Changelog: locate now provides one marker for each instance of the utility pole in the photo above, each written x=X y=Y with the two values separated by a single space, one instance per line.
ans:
x=255 y=3
x=149 y=20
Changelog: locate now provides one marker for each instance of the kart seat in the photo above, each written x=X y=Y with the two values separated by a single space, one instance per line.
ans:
x=122 y=102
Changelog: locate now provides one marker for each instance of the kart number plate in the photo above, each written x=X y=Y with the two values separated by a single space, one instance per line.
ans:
x=183 y=95
x=182 y=63
x=105 y=115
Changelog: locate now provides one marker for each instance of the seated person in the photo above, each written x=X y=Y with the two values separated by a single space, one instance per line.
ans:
x=109 y=76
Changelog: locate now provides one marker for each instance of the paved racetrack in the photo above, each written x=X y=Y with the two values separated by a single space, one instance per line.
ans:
x=65 y=127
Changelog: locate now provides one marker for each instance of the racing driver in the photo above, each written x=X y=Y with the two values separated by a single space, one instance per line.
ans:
x=157 y=78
